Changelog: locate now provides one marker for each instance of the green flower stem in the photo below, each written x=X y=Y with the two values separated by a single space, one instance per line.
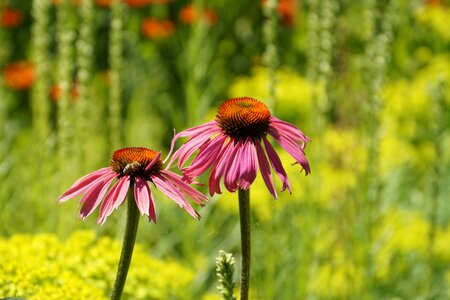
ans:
x=127 y=246
x=244 y=213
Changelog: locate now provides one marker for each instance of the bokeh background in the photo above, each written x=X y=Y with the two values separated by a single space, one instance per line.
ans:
x=367 y=80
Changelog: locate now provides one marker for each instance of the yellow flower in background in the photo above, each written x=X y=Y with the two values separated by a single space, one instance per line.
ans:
x=338 y=277
x=402 y=233
x=441 y=246
x=436 y=17
x=44 y=267
x=407 y=118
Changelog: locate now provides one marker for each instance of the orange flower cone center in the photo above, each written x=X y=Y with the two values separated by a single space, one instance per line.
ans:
x=244 y=117
x=133 y=161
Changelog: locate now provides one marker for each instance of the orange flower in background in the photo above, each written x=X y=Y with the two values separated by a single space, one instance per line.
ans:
x=288 y=10
x=19 y=75
x=103 y=3
x=433 y=2
x=55 y=92
x=190 y=15
x=157 y=29
x=10 y=18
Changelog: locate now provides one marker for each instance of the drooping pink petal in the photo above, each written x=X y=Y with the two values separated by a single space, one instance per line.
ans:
x=94 y=196
x=153 y=162
x=201 y=131
x=248 y=165
x=184 y=187
x=194 y=143
x=204 y=159
x=277 y=165
x=82 y=184
x=106 y=207
x=218 y=170
x=265 y=169
x=113 y=198
x=288 y=128
x=292 y=147
x=233 y=170
x=122 y=190
x=174 y=194
x=152 y=208
x=141 y=195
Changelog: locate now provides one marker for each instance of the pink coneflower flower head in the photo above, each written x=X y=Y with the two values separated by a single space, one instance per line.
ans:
x=235 y=145
x=131 y=167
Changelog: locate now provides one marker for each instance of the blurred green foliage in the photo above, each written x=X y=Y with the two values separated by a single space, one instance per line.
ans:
x=368 y=81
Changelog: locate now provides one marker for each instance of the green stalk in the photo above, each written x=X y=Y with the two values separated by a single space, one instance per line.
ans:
x=244 y=214
x=127 y=246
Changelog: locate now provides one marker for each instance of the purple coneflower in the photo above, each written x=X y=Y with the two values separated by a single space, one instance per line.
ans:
x=233 y=145
x=131 y=166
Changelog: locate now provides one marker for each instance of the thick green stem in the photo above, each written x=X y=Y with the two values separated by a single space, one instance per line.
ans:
x=244 y=213
x=127 y=246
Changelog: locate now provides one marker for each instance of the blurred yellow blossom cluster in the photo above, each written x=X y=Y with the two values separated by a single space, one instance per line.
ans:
x=408 y=115
x=83 y=267
x=436 y=17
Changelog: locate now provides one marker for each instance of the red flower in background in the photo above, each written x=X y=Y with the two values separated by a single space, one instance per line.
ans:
x=10 y=18
x=287 y=10
x=190 y=15
x=157 y=29
x=19 y=75
x=103 y=3
x=434 y=3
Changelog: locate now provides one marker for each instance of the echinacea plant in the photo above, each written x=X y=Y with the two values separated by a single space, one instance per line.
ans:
x=232 y=146
x=133 y=169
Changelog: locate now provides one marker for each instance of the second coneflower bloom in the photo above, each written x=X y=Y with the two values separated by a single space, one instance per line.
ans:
x=131 y=167
x=235 y=145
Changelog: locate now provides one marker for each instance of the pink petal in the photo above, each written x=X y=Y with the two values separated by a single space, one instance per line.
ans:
x=265 y=169
x=174 y=194
x=184 y=187
x=152 y=208
x=233 y=170
x=288 y=128
x=122 y=190
x=107 y=205
x=249 y=165
x=290 y=145
x=205 y=158
x=201 y=130
x=277 y=165
x=194 y=143
x=114 y=196
x=218 y=170
x=94 y=196
x=153 y=162
x=141 y=195
x=82 y=184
